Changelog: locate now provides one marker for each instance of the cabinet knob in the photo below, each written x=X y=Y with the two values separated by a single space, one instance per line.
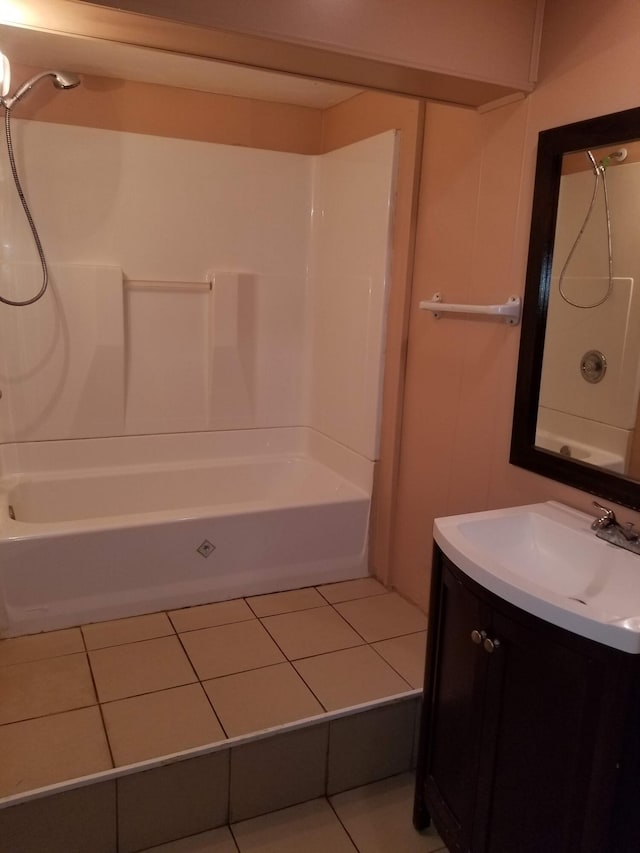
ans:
x=478 y=636
x=491 y=645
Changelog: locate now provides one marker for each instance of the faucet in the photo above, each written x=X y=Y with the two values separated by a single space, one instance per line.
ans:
x=608 y=527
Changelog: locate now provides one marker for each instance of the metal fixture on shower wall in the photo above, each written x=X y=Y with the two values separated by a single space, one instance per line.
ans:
x=593 y=366
x=61 y=80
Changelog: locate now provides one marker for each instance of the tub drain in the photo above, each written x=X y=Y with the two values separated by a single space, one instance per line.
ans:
x=579 y=600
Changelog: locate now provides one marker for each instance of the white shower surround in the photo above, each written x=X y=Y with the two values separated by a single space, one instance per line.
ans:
x=298 y=340
x=273 y=373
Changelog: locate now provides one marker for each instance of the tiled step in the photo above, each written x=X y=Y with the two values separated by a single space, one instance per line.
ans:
x=138 y=731
x=375 y=818
x=230 y=783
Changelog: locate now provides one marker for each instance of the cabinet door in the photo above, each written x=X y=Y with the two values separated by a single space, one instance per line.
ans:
x=542 y=720
x=455 y=712
x=522 y=735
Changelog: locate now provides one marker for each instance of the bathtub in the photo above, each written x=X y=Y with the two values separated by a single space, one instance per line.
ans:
x=105 y=528
x=581 y=452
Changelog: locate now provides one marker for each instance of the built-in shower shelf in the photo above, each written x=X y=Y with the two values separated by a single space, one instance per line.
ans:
x=508 y=311
x=149 y=284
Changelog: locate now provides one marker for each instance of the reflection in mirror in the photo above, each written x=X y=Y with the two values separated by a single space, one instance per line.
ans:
x=591 y=362
x=576 y=414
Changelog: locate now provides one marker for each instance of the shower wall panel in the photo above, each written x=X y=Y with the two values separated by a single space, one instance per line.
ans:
x=224 y=305
x=62 y=358
x=352 y=210
x=172 y=215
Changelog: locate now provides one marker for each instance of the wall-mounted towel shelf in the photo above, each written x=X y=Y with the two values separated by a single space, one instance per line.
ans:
x=149 y=284
x=508 y=311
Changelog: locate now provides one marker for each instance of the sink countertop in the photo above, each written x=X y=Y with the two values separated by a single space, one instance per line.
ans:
x=545 y=559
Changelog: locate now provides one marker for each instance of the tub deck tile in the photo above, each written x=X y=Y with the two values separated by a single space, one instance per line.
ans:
x=118 y=632
x=137 y=668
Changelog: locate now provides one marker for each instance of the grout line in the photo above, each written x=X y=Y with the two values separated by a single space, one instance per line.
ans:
x=398 y=673
x=338 y=818
x=313 y=693
x=233 y=839
x=102 y=720
x=251 y=618
x=49 y=714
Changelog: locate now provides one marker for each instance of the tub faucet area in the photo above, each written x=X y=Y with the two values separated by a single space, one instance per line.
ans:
x=608 y=527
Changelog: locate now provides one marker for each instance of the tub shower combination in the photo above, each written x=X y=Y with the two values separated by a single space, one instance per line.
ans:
x=127 y=489
x=90 y=531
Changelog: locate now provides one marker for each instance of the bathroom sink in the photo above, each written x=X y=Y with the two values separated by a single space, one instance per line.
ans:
x=545 y=559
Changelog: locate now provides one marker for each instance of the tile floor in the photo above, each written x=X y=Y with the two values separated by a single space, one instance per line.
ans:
x=82 y=700
x=373 y=819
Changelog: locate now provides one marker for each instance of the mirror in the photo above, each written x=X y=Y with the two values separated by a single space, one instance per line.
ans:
x=576 y=416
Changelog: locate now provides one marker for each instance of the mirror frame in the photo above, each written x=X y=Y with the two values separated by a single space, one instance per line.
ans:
x=552 y=146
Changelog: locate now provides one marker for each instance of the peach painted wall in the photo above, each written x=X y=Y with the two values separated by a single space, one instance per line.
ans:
x=494 y=40
x=473 y=231
x=110 y=104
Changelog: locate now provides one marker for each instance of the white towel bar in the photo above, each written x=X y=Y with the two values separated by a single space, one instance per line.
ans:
x=509 y=311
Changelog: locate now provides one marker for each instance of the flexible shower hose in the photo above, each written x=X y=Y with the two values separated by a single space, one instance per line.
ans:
x=599 y=170
x=27 y=213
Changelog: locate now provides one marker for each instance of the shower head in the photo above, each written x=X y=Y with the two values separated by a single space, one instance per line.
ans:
x=60 y=79
x=617 y=156
x=65 y=79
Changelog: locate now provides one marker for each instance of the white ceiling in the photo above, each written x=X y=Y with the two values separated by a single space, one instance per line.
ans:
x=126 y=62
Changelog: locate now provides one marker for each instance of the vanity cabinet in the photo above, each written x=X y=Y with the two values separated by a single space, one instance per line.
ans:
x=529 y=734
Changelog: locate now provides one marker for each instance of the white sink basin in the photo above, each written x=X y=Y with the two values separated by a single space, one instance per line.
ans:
x=545 y=559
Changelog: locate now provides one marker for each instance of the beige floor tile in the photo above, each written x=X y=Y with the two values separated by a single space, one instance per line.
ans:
x=383 y=616
x=406 y=655
x=78 y=820
x=285 y=602
x=278 y=771
x=137 y=668
x=210 y=615
x=214 y=841
x=350 y=677
x=160 y=723
x=347 y=590
x=311 y=632
x=312 y=827
x=42 y=687
x=230 y=648
x=378 y=818
x=51 y=749
x=173 y=801
x=117 y=632
x=39 y=646
x=262 y=698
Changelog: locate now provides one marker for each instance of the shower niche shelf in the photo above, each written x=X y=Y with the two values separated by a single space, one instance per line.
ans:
x=508 y=311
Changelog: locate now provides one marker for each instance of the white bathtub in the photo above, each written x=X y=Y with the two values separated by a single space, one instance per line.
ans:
x=106 y=528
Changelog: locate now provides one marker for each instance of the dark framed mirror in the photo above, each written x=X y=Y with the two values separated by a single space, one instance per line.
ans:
x=576 y=406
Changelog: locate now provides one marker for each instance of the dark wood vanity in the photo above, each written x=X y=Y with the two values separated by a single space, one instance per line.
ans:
x=530 y=734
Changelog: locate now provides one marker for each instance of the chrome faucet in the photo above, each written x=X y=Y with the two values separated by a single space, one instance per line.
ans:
x=608 y=527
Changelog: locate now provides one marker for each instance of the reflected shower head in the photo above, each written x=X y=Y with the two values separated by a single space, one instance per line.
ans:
x=617 y=156
x=60 y=79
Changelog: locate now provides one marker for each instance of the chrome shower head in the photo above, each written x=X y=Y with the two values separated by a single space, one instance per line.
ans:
x=65 y=79
x=60 y=79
